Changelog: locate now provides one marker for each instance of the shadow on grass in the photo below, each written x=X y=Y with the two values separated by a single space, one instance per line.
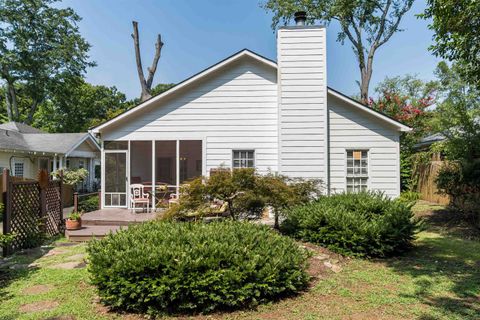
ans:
x=446 y=272
x=19 y=266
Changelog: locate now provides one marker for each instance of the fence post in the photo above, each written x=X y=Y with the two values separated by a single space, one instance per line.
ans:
x=99 y=199
x=60 y=192
x=75 y=201
x=7 y=209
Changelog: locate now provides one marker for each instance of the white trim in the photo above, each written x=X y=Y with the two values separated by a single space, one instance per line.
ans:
x=376 y=114
x=326 y=135
x=177 y=169
x=203 y=74
x=84 y=138
x=127 y=185
x=154 y=183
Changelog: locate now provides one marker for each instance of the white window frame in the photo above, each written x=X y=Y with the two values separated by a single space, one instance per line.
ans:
x=360 y=175
x=246 y=159
x=15 y=162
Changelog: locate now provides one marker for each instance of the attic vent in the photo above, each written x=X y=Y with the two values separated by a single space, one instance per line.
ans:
x=300 y=18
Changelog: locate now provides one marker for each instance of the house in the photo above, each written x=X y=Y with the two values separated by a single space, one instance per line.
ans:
x=25 y=150
x=249 y=111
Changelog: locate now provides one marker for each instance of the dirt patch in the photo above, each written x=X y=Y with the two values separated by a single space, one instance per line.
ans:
x=38 y=306
x=61 y=318
x=38 y=289
x=322 y=262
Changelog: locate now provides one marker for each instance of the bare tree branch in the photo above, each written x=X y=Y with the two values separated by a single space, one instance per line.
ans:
x=153 y=68
x=136 y=42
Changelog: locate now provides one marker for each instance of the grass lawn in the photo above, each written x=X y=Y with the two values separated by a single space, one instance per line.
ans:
x=438 y=279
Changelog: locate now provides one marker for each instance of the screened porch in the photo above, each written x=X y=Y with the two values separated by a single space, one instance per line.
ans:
x=157 y=168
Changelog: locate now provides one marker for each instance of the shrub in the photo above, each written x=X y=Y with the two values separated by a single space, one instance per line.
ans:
x=461 y=181
x=166 y=266
x=89 y=204
x=244 y=192
x=359 y=224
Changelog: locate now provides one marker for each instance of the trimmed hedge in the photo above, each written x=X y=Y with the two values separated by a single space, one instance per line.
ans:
x=171 y=267
x=358 y=224
x=89 y=204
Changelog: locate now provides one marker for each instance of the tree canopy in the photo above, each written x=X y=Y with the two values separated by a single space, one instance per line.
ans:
x=40 y=49
x=457 y=38
x=367 y=24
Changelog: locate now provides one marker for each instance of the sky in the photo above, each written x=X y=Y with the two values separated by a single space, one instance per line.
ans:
x=197 y=34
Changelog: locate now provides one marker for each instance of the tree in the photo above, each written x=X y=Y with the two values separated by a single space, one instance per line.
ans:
x=40 y=48
x=457 y=116
x=407 y=99
x=77 y=106
x=456 y=24
x=146 y=84
x=367 y=24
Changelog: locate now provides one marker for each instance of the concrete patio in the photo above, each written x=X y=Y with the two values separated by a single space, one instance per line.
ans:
x=97 y=224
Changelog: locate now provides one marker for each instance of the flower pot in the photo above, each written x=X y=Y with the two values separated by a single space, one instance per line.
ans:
x=73 y=224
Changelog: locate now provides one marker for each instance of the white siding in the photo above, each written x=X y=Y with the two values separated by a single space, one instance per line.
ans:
x=236 y=108
x=30 y=163
x=302 y=101
x=351 y=128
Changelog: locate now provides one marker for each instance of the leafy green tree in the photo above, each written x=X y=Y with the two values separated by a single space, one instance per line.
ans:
x=457 y=116
x=367 y=24
x=40 y=49
x=456 y=24
x=77 y=106
x=407 y=99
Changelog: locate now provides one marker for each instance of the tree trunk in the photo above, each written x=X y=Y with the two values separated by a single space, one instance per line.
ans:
x=277 y=223
x=146 y=84
x=12 y=105
x=366 y=75
x=31 y=112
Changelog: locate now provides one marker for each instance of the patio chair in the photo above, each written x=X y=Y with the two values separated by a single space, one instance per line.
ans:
x=138 y=195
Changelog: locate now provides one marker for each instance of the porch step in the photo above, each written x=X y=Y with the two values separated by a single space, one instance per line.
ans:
x=87 y=233
x=102 y=222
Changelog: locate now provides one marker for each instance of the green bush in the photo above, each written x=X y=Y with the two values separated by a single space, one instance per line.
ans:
x=89 y=204
x=359 y=224
x=173 y=267
x=461 y=181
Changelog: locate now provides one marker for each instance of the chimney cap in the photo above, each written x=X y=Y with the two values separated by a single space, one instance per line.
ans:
x=300 y=18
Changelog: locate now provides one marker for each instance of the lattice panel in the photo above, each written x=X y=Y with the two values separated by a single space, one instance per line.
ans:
x=25 y=213
x=54 y=219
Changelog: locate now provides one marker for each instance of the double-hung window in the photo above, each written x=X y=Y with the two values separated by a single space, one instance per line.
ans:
x=19 y=169
x=357 y=170
x=243 y=159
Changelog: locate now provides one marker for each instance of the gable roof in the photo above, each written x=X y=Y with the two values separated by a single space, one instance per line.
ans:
x=19 y=127
x=196 y=77
x=229 y=60
x=21 y=137
x=369 y=110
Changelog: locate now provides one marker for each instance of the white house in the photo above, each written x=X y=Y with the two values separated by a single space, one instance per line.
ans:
x=249 y=111
x=25 y=150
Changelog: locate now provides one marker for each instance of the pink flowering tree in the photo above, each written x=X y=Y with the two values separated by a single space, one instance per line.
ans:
x=408 y=100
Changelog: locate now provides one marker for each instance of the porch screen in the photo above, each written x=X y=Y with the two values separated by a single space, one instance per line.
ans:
x=141 y=163
x=190 y=160
x=166 y=163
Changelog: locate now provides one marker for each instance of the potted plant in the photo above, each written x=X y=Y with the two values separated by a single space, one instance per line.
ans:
x=74 y=220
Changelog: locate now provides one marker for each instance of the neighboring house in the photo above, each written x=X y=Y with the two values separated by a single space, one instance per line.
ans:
x=249 y=111
x=25 y=150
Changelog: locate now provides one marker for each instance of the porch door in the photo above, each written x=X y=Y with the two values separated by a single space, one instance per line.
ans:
x=116 y=179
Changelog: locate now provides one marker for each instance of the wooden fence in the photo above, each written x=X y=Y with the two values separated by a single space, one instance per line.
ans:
x=33 y=209
x=426 y=186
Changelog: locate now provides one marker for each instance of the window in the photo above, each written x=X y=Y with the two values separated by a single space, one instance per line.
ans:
x=19 y=166
x=243 y=159
x=357 y=170
x=81 y=164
